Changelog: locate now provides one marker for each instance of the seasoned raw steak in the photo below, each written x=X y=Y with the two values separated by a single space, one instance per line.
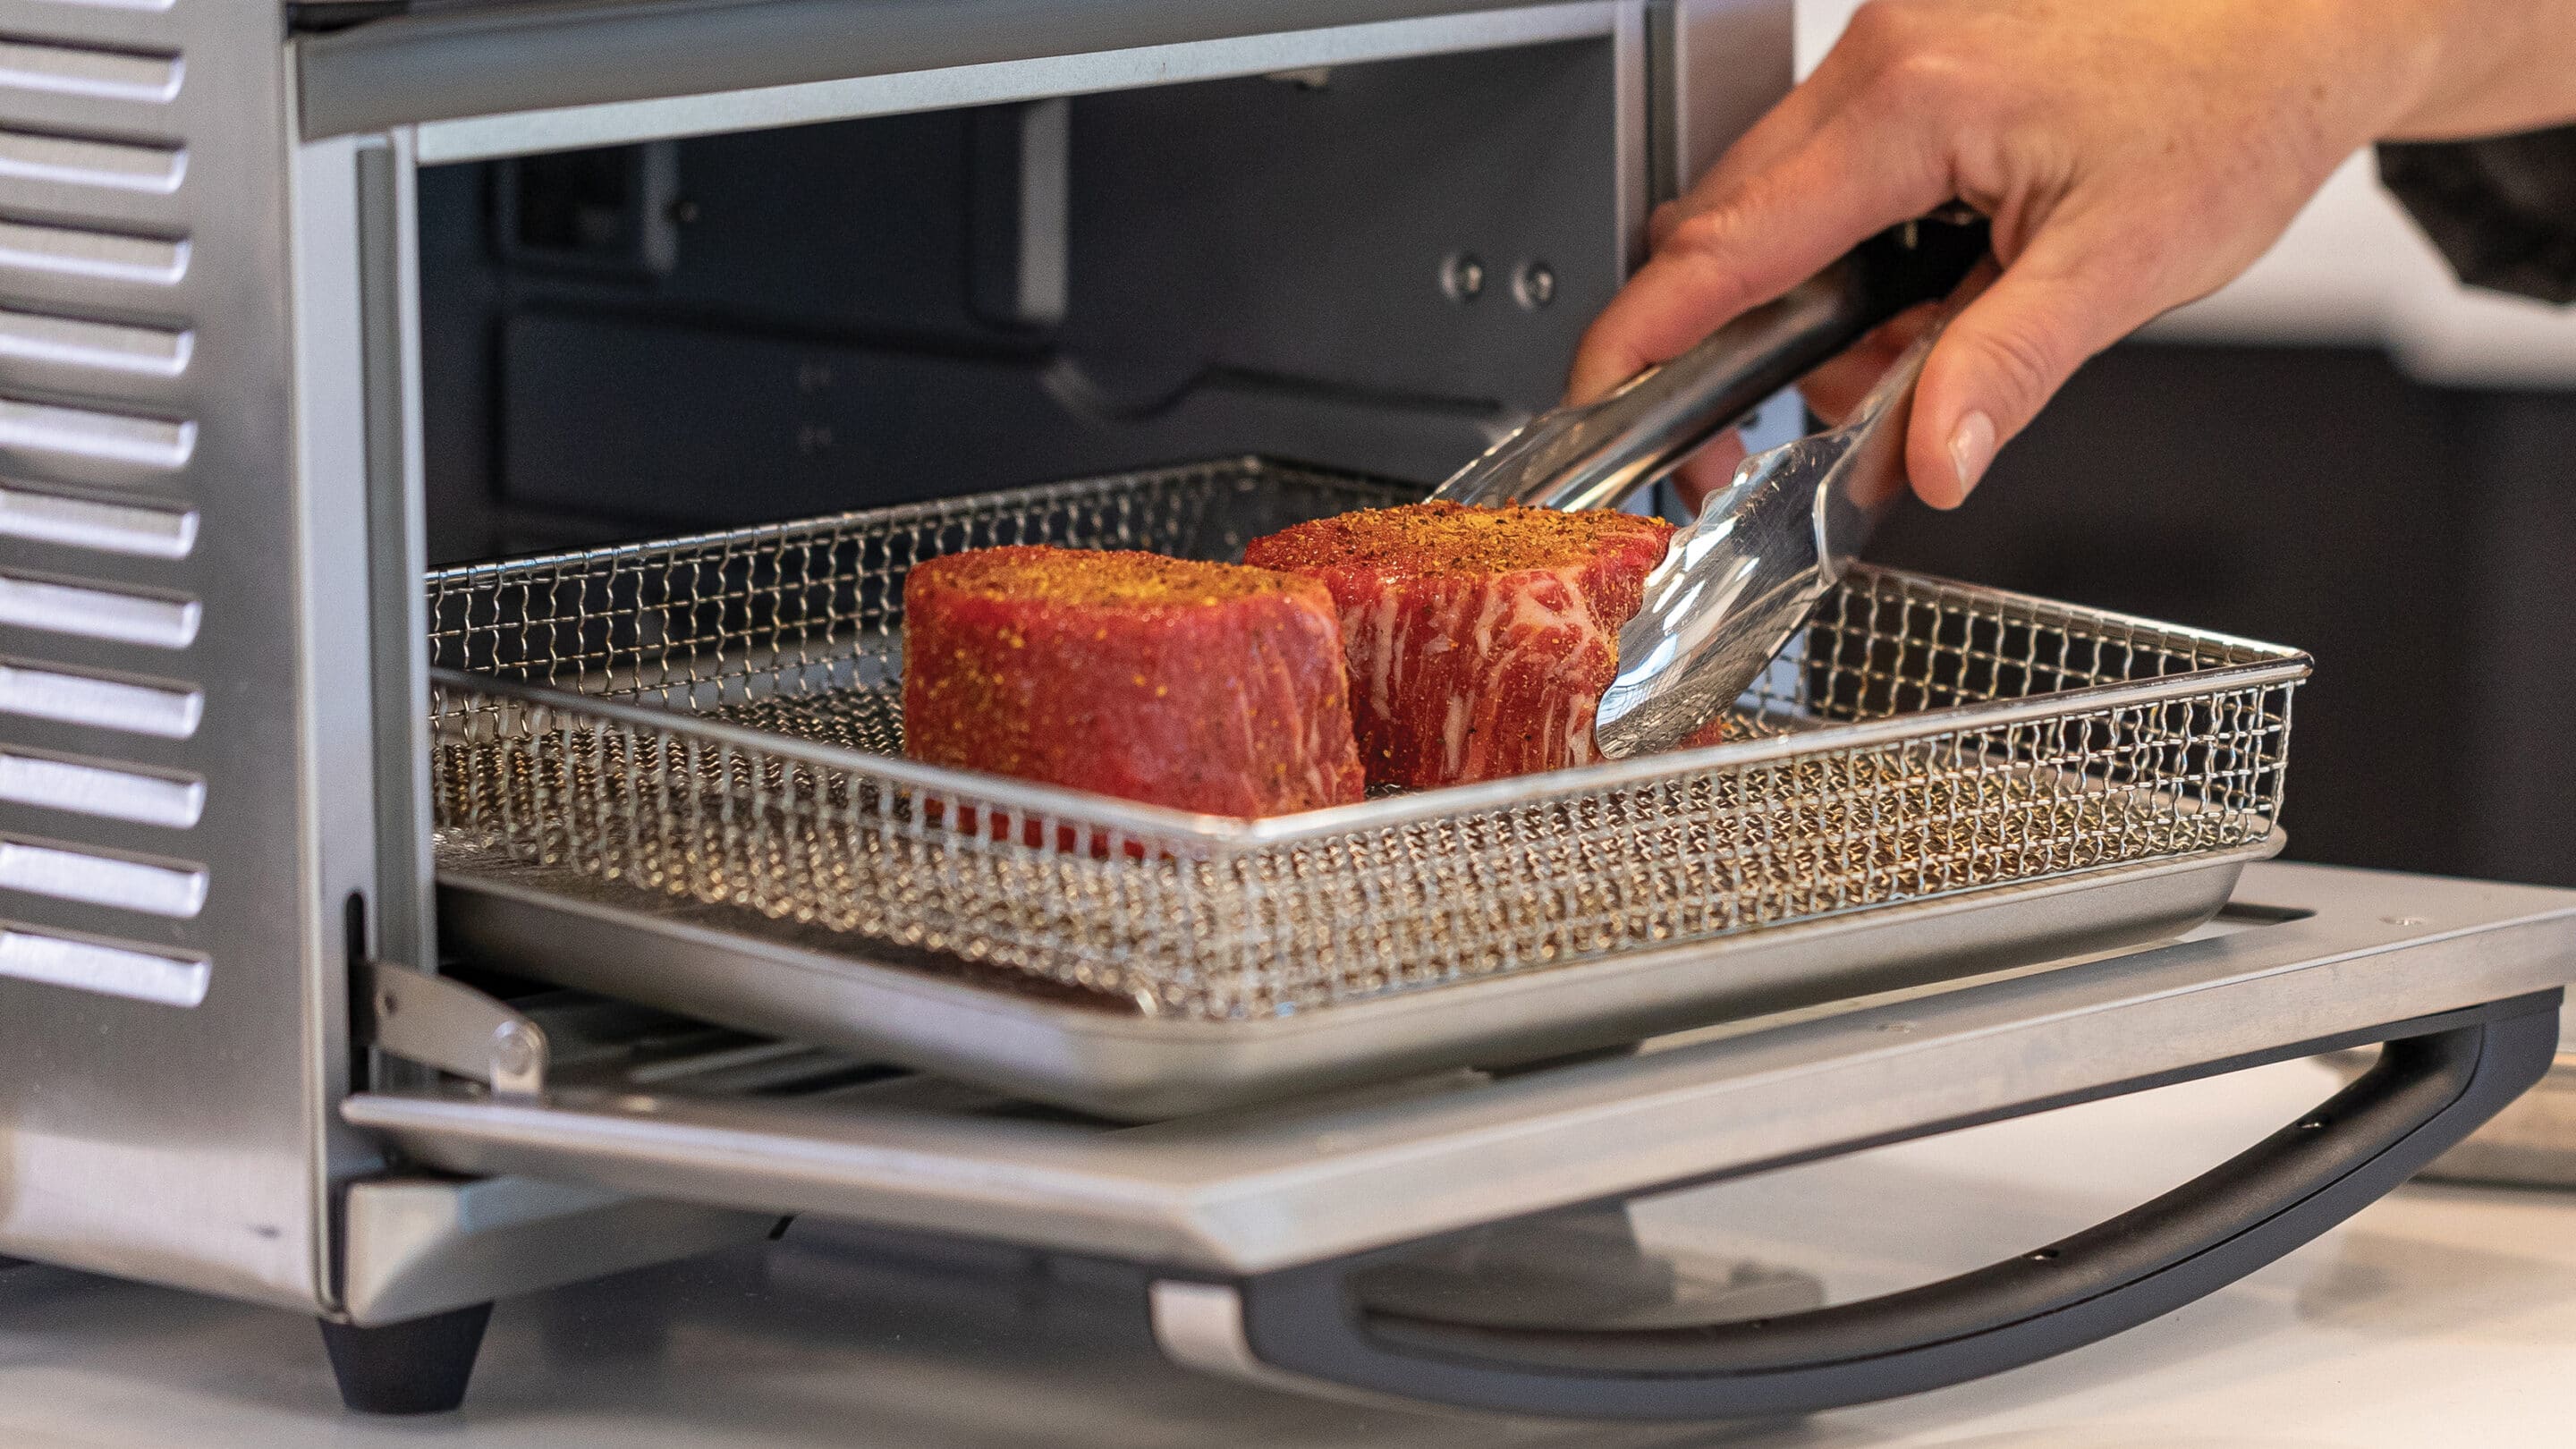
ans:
x=1480 y=639
x=1202 y=686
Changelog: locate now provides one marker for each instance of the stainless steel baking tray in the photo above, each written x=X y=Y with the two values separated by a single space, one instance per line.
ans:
x=1075 y=1050
x=2308 y=952
x=702 y=731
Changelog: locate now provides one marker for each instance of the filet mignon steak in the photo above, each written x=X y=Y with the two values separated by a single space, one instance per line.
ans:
x=1480 y=639
x=1202 y=686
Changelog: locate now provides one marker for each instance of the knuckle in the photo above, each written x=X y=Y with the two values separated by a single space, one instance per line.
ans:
x=1927 y=79
x=1701 y=230
x=1704 y=252
x=1879 y=29
x=1707 y=231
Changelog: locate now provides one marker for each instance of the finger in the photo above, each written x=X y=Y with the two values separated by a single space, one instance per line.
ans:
x=1781 y=130
x=1853 y=177
x=1835 y=389
x=1661 y=221
x=1709 y=469
x=2076 y=290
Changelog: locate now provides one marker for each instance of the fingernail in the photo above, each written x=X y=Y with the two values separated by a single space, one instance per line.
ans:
x=1972 y=447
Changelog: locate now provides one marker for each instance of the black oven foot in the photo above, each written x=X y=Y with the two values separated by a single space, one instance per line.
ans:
x=416 y=1367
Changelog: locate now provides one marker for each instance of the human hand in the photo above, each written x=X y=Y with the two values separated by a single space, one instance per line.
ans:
x=2132 y=154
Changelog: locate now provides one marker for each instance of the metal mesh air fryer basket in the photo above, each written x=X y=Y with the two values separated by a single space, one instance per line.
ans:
x=715 y=721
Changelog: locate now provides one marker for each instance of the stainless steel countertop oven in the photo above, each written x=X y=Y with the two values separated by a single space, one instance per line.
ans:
x=300 y=306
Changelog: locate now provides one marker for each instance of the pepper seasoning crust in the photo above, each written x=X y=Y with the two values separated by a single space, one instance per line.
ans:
x=1109 y=579
x=1206 y=687
x=1451 y=538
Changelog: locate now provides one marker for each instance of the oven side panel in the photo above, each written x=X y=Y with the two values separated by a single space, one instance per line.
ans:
x=185 y=803
x=1718 y=66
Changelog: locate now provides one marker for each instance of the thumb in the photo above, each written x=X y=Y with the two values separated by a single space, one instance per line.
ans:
x=2009 y=351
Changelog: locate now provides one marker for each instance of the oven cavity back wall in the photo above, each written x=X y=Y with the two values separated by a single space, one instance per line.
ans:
x=1370 y=265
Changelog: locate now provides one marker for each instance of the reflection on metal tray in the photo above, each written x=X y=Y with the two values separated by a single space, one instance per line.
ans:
x=1962 y=739
x=1080 y=1049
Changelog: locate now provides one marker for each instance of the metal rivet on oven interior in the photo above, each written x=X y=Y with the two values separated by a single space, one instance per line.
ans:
x=1534 y=285
x=1462 y=276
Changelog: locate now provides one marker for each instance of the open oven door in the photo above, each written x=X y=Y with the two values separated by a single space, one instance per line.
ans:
x=1260 y=1228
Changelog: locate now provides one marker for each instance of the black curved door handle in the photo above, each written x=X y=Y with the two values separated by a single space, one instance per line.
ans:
x=2437 y=1079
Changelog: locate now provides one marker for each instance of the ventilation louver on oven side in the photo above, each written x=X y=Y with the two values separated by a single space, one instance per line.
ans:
x=100 y=700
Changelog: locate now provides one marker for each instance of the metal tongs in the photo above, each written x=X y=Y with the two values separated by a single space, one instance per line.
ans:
x=1737 y=584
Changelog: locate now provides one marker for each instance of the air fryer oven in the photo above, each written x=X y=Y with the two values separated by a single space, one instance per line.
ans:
x=296 y=303
x=295 y=300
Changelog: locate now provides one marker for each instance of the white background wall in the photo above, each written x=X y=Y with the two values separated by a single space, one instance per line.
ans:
x=2351 y=270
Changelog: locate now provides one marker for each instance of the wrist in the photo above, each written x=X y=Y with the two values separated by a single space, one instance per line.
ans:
x=2479 y=67
x=2399 y=61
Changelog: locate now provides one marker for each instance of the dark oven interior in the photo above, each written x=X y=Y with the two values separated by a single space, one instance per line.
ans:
x=1372 y=267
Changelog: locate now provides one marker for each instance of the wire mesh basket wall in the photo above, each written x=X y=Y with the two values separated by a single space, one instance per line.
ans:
x=716 y=721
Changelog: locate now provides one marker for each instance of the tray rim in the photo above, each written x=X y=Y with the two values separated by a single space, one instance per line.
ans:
x=1090 y=808
x=2270 y=664
x=1071 y=806
x=1250 y=465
